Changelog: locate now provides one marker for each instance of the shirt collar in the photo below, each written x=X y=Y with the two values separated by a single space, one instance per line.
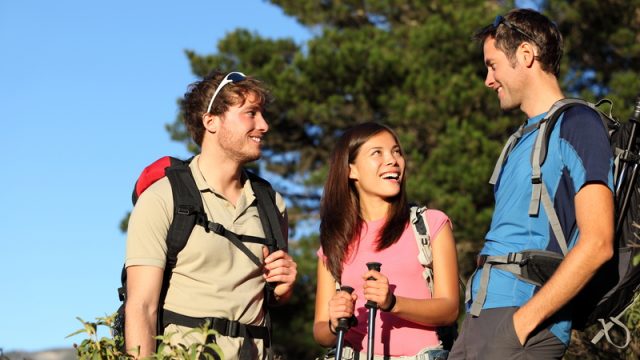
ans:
x=536 y=119
x=203 y=186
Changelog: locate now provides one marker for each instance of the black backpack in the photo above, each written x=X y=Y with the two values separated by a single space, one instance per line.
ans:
x=187 y=213
x=615 y=286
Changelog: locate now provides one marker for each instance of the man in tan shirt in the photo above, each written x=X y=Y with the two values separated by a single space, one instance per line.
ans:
x=212 y=277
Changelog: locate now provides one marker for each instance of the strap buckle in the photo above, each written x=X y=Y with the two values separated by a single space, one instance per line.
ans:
x=481 y=260
x=517 y=258
x=185 y=210
x=216 y=228
x=226 y=327
x=233 y=328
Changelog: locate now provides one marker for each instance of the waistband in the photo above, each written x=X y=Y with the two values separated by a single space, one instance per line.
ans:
x=224 y=327
x=428 y=353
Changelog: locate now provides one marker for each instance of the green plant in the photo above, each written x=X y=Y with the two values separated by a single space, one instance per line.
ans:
x=95 y=347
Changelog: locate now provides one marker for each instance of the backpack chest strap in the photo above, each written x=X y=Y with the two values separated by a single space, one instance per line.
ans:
x=237 y=240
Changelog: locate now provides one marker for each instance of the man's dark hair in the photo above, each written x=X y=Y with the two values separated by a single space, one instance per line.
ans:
x=198 y=95
x=520 y=25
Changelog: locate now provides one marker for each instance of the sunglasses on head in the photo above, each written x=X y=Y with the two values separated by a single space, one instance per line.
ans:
x=232 y=77
x=501 y=20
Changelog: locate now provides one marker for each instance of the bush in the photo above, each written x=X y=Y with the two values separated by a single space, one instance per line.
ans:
x=111 y=347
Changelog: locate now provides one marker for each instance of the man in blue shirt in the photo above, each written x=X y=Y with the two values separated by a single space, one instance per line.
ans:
x=510 y=317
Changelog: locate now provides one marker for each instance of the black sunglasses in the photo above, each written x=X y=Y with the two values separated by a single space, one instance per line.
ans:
x=501 y=20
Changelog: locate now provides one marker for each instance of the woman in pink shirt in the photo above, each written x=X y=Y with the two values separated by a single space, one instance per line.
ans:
x=365 y=218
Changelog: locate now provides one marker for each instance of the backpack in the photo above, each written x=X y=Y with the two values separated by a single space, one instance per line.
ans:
x=616 y=284
x=446 y=334
x=187 y=213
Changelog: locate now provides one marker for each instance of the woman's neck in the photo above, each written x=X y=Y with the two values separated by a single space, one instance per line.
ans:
x=373 y=208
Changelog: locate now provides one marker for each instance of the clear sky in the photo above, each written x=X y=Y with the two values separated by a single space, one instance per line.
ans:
x=85 y=90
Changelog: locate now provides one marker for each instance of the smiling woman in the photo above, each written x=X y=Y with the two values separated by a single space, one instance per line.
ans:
x=365 y=219
x=377 y=173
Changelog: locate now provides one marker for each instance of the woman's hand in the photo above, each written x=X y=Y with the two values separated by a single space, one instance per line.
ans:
x=341 y=305
x=376 y=289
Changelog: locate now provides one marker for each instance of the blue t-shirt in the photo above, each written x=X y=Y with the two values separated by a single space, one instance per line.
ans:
x=578 y=153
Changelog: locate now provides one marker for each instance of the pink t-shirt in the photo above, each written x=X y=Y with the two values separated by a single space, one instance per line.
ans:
x=393 y=336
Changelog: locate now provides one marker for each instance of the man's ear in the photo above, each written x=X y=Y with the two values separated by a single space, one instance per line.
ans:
x=526 y=53
x=210 y=122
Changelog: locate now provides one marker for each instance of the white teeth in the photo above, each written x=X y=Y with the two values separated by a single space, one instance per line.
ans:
x=256 y=139
x=394 y=176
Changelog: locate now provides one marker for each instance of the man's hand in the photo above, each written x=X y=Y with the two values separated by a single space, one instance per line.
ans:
x=522 y=327
x=594 y=247
x=280 y=268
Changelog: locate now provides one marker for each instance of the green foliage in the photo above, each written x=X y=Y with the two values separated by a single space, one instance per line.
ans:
x=96 y=348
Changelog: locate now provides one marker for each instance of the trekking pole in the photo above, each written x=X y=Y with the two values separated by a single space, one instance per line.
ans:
x=635 y=119
x=343 y=326
x=628 y=149
x=373 y=308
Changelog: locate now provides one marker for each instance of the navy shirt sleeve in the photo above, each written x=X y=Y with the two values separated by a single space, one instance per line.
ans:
x=585 y=149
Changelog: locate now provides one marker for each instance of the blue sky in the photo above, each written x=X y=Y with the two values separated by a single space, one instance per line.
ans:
x=85 y=90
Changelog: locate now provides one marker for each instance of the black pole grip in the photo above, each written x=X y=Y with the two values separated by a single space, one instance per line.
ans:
x=343 y=323
x=372 y=266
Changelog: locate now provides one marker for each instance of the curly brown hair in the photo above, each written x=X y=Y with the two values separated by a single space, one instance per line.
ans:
x=198 y=95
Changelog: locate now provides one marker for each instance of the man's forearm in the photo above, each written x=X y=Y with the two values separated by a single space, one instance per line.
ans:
x=594 y=217
x=140 y=332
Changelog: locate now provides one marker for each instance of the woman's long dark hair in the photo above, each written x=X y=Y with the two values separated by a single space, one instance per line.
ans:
x=340 y=218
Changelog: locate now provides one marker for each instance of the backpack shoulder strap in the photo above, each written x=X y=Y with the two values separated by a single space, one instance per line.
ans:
x=187 y=204
x=539 y=192
x=423 y=238
x=188 y=209
x=268 y=212
x=271 y=224
x=550 y=119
